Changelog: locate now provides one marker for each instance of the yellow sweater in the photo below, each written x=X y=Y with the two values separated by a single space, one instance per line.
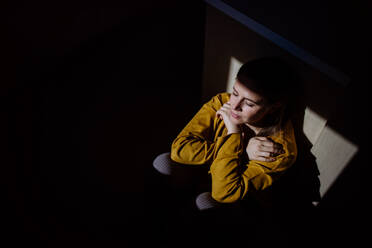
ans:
x=204 y=140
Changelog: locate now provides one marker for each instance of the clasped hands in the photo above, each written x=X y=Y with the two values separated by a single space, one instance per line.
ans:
x=258 y=148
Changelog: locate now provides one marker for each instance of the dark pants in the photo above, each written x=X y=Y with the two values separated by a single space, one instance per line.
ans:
x=192 y=178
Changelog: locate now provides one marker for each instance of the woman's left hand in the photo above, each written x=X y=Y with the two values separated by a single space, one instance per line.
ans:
x=224 y=113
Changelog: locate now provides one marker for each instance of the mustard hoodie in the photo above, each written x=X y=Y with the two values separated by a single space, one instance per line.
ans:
x=204 y=140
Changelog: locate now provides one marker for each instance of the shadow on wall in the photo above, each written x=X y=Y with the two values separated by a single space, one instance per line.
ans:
x=301 y=184
x=323 y=153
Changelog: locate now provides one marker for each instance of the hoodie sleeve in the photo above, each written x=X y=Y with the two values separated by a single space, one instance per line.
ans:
x=197 y=142
x=232 y=180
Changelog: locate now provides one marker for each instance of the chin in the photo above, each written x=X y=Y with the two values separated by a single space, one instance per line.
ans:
x=238 y=122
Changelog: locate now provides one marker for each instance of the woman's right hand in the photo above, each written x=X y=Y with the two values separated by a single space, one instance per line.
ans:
x=263 y=149
x=224 y=113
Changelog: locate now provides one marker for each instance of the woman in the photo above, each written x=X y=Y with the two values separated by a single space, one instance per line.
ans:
x=245 y=138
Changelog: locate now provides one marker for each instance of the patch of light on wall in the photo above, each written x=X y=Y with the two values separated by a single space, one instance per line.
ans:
x=233 y=70
x=313 y=125
x=333 y=151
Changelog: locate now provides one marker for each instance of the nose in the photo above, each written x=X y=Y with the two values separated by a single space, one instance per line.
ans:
x=236 y=105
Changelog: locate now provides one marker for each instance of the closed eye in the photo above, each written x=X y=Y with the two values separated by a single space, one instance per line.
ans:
x=249 y=104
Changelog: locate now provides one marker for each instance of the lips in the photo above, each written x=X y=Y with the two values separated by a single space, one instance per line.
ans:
x=235 y=115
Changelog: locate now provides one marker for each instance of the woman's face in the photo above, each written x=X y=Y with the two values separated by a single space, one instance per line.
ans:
x=247 y=107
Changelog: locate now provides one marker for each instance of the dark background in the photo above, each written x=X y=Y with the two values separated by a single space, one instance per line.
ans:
x=91 y=92
x=335 y=33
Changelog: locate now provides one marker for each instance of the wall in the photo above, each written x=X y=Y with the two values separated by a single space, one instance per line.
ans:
x=334 y=112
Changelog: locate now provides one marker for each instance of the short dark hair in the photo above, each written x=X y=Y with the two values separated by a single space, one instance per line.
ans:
x=270 y=77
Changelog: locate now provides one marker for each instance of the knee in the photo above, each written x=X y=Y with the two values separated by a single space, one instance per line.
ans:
x=204 y=201
x=163 y=163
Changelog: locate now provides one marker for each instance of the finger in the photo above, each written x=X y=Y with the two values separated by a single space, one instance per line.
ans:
x=267 y=141
x=275 y=144
x=271 y=144
x=222 y=111
x=222 y=114
x=225 y=108
x=269 y=154
x=265 y=159
x=261 y=138
x=225 y=112
x=278 y=146
x=267 y=144
x=266 y=154
x=278 y=151
x=271 y=150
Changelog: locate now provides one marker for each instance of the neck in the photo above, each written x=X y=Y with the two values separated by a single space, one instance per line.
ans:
x=256 y=130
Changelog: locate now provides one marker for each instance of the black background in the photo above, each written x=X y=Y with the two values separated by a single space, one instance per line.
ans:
x=336 y=33
x=91 y=92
